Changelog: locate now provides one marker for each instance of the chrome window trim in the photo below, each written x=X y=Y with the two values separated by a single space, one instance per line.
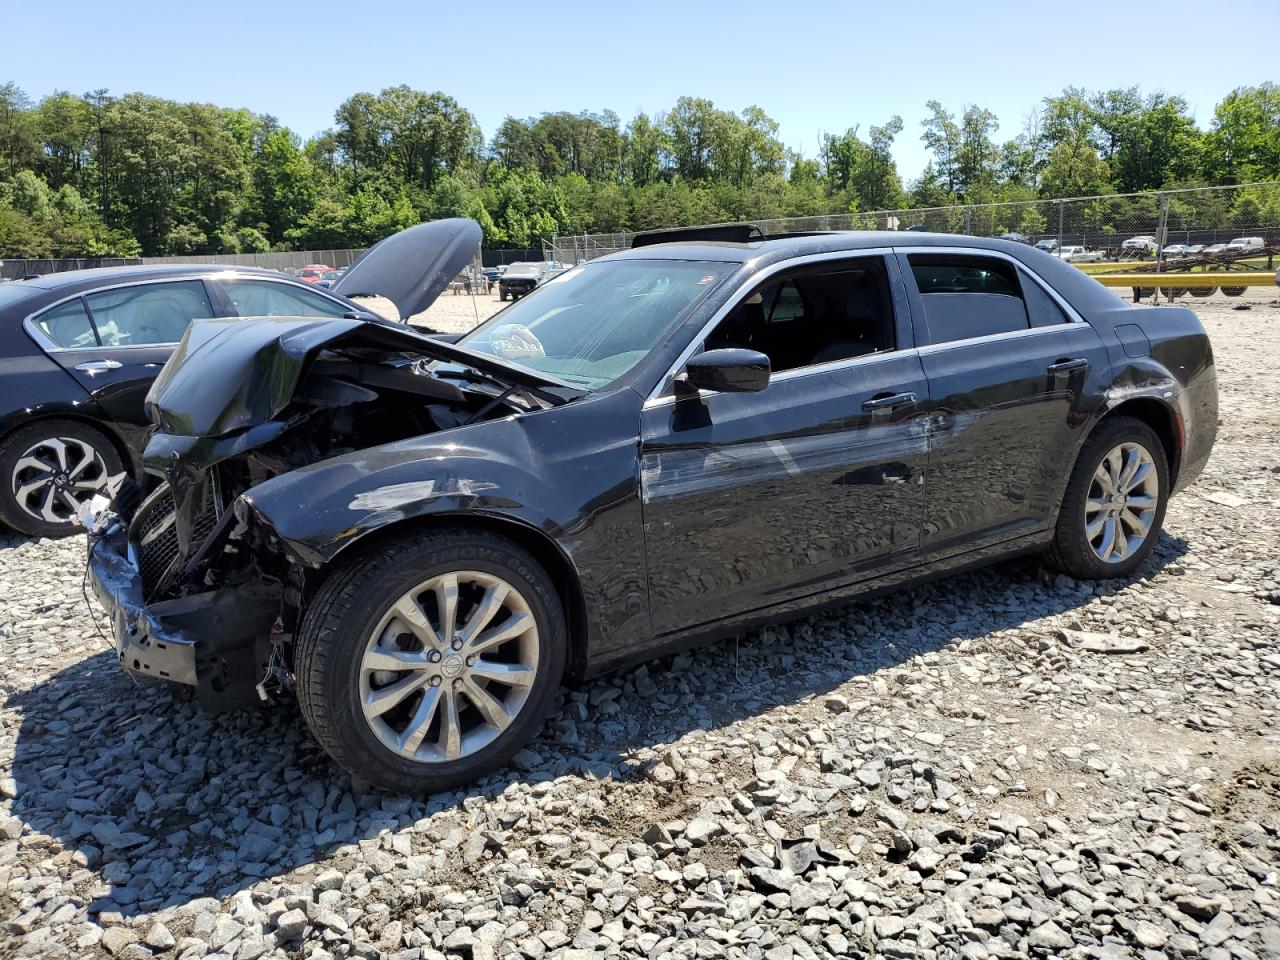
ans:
x=657 y=393
x=38 y=335
x=1073 y=316
x=931 y=348
x=43 y=341
x=796 y=372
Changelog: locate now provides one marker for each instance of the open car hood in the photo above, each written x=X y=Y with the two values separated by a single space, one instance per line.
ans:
x=229 y=375
x=413 y=267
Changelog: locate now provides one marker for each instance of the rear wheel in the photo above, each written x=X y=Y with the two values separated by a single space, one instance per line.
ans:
x=1233 y=291
x=47 y=470
x=1201 y=291
x=431 y=661
x=1115 y=502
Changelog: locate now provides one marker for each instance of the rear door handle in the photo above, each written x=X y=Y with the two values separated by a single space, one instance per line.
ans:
x=1067 y=366
x=888 y=401
x=98 y=366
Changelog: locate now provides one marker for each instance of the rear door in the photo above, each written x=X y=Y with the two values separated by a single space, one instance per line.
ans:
x=114 y=341
x=1013 y=377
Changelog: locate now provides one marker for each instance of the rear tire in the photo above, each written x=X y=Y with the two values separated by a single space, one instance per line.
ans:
x=1079 y=544
x=46 y=467
x=1233 y=291
x=421 y=743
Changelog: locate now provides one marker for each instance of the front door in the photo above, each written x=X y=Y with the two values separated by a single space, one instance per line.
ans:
x=755 y=500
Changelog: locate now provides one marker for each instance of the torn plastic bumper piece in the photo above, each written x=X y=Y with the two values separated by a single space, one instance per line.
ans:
x=216 y=641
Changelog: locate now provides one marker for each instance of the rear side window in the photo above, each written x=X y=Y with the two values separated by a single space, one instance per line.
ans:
x=266 y=298
x=67 y=325
x=149 y=313
x=967 y=297
x=1041 y=308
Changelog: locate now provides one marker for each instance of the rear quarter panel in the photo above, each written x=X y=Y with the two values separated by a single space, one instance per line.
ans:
x=1164 y=353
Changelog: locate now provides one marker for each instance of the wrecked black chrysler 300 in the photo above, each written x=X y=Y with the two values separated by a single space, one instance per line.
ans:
x=420 y=538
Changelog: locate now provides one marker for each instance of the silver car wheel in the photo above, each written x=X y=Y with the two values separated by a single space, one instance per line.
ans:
x=1122 y=502
x=54 y=476
x=449 y=666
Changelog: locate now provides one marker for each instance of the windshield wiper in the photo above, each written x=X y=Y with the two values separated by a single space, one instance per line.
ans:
x=546 y=395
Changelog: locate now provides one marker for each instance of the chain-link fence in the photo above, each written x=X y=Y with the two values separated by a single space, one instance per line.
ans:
x=276 y=260
x=335 y=259
x=1151 y=222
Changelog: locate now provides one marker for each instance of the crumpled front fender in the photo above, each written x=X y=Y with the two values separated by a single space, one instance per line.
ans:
x=319 y=510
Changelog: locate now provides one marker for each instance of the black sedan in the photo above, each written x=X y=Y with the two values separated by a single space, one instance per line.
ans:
x=79 y=351
x=420 y=539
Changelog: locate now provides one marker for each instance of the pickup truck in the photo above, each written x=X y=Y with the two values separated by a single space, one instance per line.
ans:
x=520 y=279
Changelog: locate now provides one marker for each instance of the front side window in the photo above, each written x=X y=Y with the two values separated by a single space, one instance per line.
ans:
x=814 y=315
x=966 y=297
x=590 y=325
x=67 y=325
x=148 y=313
x=268 y=298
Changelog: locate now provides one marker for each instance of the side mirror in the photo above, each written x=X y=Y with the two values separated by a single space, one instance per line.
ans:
x=730 y=370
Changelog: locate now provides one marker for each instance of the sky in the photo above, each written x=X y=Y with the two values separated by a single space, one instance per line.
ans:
x=815 y=66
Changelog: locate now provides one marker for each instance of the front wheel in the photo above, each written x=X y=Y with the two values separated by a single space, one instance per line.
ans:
x=429 y=662
x=1115 y=502
x=48 y=469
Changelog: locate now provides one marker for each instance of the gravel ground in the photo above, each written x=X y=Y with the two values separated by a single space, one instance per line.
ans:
x=1005 y=763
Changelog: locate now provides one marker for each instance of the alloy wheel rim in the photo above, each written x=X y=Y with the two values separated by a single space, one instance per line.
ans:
x=1120 y=509
x=449 y=666
x=55 y=476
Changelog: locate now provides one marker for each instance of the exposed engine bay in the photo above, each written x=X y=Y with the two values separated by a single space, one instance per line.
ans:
x=234 y=411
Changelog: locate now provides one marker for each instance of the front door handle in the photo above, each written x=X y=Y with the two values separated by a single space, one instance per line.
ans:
x=887 y=401
x=1068 y=366
x=98 y=366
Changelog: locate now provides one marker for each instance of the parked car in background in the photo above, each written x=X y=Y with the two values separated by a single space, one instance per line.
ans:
x=519 y=279
x=1195 y=249
x=1246 y=244
x=1079 y=255
x=1048 y=245
x=421 y=539
x=312 y=274
x=79 y=351
x=329 y=278
x=1215 y=250
x=492 y=274
x=1174 y=250
x=1140 y=246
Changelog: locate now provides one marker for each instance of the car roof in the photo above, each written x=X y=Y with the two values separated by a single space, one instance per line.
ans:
x=784 y=247
x=1083 y=292
x=69 y=280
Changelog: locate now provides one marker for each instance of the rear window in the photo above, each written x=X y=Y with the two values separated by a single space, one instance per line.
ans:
x=67 y=325
x=967 y=297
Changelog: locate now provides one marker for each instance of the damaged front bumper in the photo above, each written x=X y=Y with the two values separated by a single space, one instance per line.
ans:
x=218 y=641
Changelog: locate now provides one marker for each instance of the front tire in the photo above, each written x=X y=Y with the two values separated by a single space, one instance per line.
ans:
x=47 y=469
x=430 y=661
x=1115 y=502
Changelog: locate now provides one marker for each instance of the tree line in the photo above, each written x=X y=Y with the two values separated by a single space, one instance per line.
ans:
x=101 y=175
